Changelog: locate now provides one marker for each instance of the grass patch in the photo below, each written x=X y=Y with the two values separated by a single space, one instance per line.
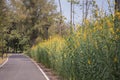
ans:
x=2 y=60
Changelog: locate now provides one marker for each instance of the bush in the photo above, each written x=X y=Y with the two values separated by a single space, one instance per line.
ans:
x=87 y=54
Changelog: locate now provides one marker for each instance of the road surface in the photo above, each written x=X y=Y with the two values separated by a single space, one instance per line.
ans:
x=20 y=67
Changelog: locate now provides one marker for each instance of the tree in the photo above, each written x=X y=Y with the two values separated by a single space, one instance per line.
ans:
x=32 y=19
x=117 y=37
x=86 y=4
x=2 y=25
x=72 y=3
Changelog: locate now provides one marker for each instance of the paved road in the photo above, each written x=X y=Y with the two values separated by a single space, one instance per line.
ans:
x=20 y=67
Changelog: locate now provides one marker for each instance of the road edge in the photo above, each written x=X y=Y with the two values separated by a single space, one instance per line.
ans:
x=4 y=62
x=47 y=78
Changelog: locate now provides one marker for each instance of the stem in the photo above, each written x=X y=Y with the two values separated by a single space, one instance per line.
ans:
x=71 y=16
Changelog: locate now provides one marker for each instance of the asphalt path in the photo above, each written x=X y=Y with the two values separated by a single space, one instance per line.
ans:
x=20 y=67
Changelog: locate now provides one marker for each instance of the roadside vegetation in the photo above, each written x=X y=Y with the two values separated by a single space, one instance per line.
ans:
x=3 y=59
x=89 y=53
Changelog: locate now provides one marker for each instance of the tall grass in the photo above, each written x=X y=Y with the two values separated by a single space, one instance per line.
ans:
x=87 y=54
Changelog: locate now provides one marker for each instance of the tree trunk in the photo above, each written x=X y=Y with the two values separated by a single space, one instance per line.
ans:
x=83 y=13
x=45 y=28
x=71 y=9
x=86 y=9
x=60 y=16
x=74 y=16
x=117 y=5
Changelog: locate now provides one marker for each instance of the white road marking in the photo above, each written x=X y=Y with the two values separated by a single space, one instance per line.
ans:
x=4 y=63
x=39 y=68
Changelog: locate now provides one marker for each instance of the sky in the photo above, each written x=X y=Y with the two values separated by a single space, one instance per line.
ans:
x=78 y=13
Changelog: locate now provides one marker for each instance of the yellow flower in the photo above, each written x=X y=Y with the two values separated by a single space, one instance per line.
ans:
x=96 y=46
x=89 y=62
x=96 y=13
x=94 y=29
x=33 y=47
x=87 y=22
x=119 y=17
x=100 y=28
x=84 y=36
x=117 y=13
x=111 y=30
x=116 y=37
x=96 y=23
x=115 y=59
x=117 y=30
x=78 y=34
x=109 y=24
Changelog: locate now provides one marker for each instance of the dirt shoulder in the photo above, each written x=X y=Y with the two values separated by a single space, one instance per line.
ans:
x=2 y=60
x=50 y=73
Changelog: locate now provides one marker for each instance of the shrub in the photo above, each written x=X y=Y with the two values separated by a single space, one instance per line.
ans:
x=87 y=54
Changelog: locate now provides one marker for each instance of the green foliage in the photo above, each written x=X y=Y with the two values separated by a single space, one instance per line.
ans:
x=88 y=54
x=25 y=21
